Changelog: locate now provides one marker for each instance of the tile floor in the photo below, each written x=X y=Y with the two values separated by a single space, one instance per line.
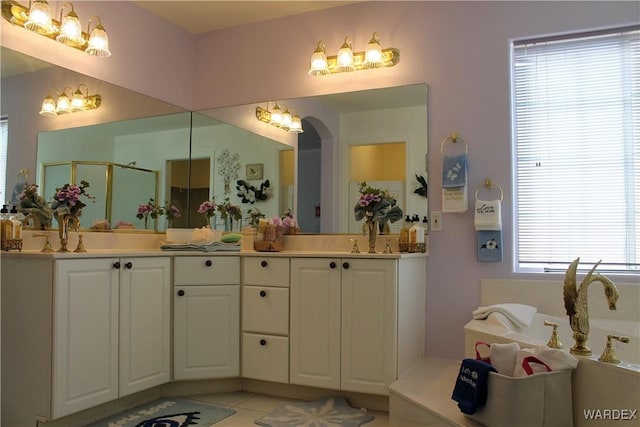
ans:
x=250 y=406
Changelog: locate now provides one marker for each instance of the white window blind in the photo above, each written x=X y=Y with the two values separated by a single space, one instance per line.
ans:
x=577 y=151
x=4 y=141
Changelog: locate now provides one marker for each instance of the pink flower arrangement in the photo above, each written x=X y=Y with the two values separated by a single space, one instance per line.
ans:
x=67 y=199
x=208 y=208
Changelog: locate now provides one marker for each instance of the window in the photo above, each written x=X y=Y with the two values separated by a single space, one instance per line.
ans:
x=577 y=151
x=4 y=141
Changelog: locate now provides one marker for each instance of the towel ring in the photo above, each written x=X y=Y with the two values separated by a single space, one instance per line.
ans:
x=454 y=137
x=489 y=184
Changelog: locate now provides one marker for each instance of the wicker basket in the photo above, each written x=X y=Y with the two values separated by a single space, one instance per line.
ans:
x=269 y=238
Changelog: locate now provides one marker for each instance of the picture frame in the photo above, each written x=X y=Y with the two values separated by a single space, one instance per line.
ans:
x=254 y=171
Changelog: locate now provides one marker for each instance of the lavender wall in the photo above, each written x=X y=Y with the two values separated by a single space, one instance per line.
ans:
x=460 y=49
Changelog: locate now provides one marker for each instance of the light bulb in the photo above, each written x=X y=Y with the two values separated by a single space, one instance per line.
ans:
x=39 y=19
x=319 y=64
x=345 y=57
x=276 y=116
x=98 y=44
x=48 y=107
x=64 y=104
x=71 y=30
x=373 y=54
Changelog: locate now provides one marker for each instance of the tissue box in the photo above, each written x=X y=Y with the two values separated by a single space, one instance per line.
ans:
x=179 y=235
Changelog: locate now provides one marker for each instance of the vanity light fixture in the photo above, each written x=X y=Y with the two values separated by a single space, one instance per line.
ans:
x=286 y=120
x=78 y=101
x=346 y=60
x=67 y=30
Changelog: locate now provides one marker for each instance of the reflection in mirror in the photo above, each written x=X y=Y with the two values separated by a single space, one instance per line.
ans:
x=126 y=137
x=381 y=138
x=315 y=181
x=124 y=163
x=258 y=167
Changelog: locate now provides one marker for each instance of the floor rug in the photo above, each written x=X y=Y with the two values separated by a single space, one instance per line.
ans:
x=167 y=412
x=331 y=412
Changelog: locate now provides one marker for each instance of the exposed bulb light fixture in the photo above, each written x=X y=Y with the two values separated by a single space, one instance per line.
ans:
x=78 y=101
x=67 y=30
x=286 y=120
x=346 y=60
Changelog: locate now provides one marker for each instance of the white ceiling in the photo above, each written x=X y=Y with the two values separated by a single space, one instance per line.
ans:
x=203 y=16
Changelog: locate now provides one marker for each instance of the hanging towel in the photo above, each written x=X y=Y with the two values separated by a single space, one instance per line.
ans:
x=454 y=170
x=487 y=215
x=519 y=315
x=455 y=200
x=470 y=390
x=503 y=357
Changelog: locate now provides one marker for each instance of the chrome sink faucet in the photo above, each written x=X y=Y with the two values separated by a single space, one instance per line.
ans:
x=577 y=305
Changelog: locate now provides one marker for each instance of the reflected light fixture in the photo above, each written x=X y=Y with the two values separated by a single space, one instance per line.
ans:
x=67 y=30
x=79 y=101
x=286 y=120
x=346 y=60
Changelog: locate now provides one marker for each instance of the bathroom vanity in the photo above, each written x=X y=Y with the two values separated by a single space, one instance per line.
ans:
x=81 y=330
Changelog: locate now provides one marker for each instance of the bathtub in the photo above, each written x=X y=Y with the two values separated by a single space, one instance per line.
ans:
x=604 y=394
x=496 y=329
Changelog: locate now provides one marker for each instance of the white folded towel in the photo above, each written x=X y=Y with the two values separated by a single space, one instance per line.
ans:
x=555 y=358
x=520 y=315
x=503 y=357
x=487 y=215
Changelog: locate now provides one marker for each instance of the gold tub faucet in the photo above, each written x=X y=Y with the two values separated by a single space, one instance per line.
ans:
x=577 y=305
x=609 y=354
x=554 y=341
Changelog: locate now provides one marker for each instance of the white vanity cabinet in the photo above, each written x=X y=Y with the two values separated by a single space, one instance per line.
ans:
x=206 y=297
x=112 y=326
x=82 y=332
x=265 y=318
x=356 y=323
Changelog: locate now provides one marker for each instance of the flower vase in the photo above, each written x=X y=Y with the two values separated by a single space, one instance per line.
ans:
x=64 y=222
x=372 y=229
x=228 y=224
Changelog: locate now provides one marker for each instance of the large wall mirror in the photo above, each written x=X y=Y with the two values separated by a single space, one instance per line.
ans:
x=134 y=148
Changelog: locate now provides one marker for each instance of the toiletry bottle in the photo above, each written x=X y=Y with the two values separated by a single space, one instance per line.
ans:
x=420 y=231
x=404 y=235
x=413 y=234
x=5 y=225
x=16 y=224
x=425 y=225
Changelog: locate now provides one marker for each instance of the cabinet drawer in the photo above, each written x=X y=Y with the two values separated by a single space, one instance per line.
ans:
x=206 y=270
x=266 y=271
x=265 y=357
x=265 y=309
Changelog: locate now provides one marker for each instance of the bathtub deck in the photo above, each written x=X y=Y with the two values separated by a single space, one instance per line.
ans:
x=422 y=396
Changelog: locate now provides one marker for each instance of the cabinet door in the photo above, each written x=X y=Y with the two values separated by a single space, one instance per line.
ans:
x=369 y=322
x=206 y=332
x=145 y=323
x=315 y=322
x=85 y=334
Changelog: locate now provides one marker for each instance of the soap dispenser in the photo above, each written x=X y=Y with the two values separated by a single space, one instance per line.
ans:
x=414 y=233
x=16 y=224
x=5 y=226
